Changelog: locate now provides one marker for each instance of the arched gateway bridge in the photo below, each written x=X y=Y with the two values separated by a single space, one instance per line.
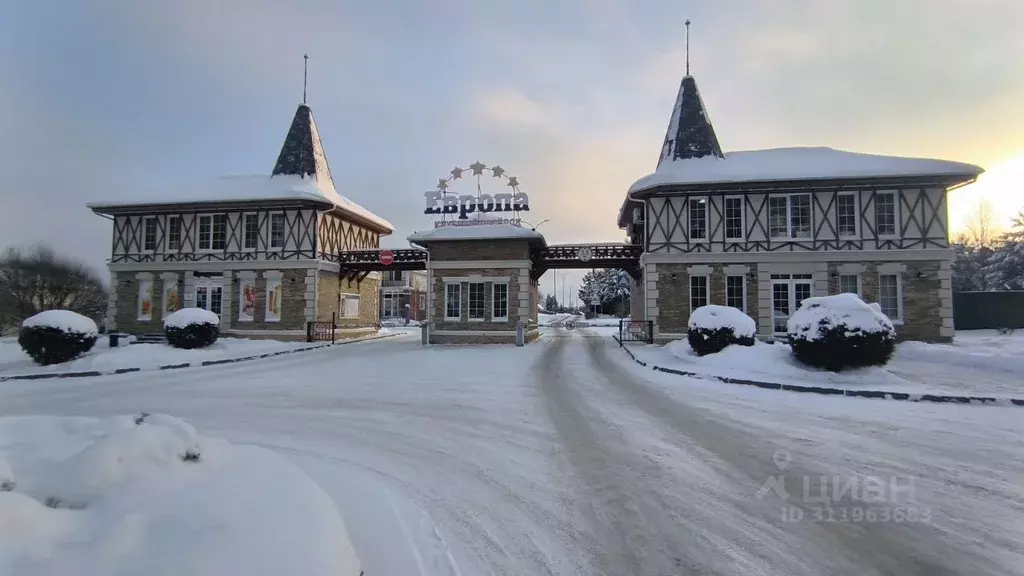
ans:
x=357 y=264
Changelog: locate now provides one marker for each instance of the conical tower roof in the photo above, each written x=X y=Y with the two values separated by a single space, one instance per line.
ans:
x=690 y=133
x=302 y=153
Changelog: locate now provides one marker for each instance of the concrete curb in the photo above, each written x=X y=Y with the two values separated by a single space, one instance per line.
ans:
x=91 y=373
x=825 y=390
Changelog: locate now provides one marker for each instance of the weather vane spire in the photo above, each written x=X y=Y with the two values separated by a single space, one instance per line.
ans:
x=687 y=46
x=305 y=75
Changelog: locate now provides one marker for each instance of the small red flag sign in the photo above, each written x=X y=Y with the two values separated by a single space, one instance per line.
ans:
x=387 y=257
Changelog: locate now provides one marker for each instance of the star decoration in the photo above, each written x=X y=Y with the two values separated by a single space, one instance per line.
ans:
x=457 y=173
x=442 y=184
x=513 y=181
x=498 y=171
x=477 y=168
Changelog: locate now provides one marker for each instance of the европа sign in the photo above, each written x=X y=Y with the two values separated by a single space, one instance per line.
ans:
x=439 y=203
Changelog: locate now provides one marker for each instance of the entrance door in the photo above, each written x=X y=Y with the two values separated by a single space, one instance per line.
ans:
x=391 y=303
x=208 y=295
x=788 y=291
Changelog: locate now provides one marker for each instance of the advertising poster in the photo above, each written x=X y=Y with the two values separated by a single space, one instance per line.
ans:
x=145 y=299
x=273 y=300
x=246 y=300
x=172 y=301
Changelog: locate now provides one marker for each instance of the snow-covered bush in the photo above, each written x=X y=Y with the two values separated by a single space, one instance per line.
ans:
x=56 y=336
x=192 y=328
x=841 y=331
x=712 y=328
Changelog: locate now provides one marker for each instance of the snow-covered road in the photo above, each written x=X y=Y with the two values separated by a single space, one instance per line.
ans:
x=565 y=458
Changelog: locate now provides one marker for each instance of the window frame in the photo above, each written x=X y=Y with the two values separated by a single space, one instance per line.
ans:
x=856 y=280
x=494 y=301
x=707 y=295
x=788 y=198
x=856 y=215
x=703 y=201
x=171 y=220
x=146 y=246
x=245 y=231
x=270 y=230
x=900 y=308
x=743 y=288
x=448 y=301
x=213 y=226
x=483 y=302
x=345 y=297
x=895 y=213
x=725 y=218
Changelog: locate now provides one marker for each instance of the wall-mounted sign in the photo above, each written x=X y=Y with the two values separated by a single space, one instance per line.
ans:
x=439 y=202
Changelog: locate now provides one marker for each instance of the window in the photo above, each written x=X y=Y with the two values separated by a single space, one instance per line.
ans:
x=395 y=275
x=789 y=216
x=849 y=284
x=846 y=215
x=277 y=230
x=734 y=219
x=149 y=234
x=251 y=236
x=698 y=219
x=213 y=232
x=349 y=306
x=499 y=302
x=698 y=292
x=889 y=296
x=885 y=213
x=205 y=229
x=788 y=292
x=174 y=232
x=736 y=292
x=476 y=301
x=452 y=301
x=208 y=297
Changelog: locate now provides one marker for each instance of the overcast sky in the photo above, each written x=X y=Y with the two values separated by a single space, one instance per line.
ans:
x=105 y=99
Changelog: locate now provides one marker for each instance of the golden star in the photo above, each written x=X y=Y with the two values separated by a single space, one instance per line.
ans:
x=477 y=168
x=442 y=184
x=498 y=171
x=513 y=181
x=457 y=173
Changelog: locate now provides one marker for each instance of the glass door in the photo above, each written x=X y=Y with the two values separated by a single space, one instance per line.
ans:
x=788 y=292
x=208 y=296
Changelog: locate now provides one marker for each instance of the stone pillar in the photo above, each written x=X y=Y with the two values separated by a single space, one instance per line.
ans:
x=650 y=292
x=947 y=329
x=226 y=291
x=112 y=303
x=764 y=301
x=819 y=278
x=310 y=295
x=188 y=299
x=524 y=295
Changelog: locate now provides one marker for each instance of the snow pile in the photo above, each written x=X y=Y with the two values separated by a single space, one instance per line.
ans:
x=481 y=232
x=187 y=316
x=810 y=163
x=715 y=317
x=147 y=495
x=63 y=320
x=821 y=313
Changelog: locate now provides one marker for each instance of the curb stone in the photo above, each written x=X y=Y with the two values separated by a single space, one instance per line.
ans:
x=824 y=390
x=91 y=373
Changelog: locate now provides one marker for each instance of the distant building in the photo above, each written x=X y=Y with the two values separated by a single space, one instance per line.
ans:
x=260 y=251
x=403 y=290
x=762 y=230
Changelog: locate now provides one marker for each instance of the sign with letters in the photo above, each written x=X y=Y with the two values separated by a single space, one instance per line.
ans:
x=439 y=202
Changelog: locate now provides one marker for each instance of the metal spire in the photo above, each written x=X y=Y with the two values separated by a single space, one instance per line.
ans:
x=687 y=47
x=305 y=73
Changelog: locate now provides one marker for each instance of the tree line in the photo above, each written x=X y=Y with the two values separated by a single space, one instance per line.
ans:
x=984 y=258
x=37 y=278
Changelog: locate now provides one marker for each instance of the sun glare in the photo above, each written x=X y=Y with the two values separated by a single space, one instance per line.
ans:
x=1002 y=186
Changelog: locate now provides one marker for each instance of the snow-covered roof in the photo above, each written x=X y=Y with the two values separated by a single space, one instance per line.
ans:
x=254 y=188
x=812 y=163
x=478 y=232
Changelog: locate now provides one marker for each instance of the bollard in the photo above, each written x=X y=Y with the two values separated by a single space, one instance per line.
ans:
x=425 y=333
x=520 y=335
x=114 y=336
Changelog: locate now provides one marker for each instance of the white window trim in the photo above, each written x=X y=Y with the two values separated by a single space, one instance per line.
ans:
x=789 y=216
x=209 y=284
x=839 y=282
x=258 y=231
x=270 y=229
x=895 y=213
x=341 y=304
x=504 y=318
x=469 y=304
x=689 y=290
x=856 y=214
x=790 y=284
x=199 y=225
x=900 y=309
x=156 y=234
x=742 y=277
x=769 y=216
x=707 y=220
x=743 y=219
x=446 y=299
x=181 y=233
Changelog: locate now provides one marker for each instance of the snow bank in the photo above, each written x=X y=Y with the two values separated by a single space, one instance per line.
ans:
x=187 y=316
x=809 y=163
x=130 y=495
x=481 y=232
x=714 y=317
x=64 y=320
x=823 y=312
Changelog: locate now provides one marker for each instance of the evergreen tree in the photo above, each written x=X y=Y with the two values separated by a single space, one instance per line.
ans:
x=1004 y=269
x=968 y=266
x=551 y=303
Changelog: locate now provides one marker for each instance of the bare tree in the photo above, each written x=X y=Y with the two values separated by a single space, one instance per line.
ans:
x=981 y=228
x=38 y=279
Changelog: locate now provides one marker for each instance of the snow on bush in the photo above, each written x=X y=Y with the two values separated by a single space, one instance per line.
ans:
x=148 y=495
x=56 y=336
x=841 y=331
x=190 y=328
x=711 y=328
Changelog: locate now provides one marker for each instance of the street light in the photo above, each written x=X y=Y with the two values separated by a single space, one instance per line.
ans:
x=537 y=225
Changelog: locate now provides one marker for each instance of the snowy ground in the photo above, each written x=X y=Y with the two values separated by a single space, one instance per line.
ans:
x=980 y=362
x=564 y=457
x=147 y=495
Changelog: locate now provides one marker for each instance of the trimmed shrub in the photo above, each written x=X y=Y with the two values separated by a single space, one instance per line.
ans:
x=190 y=328
x=711 y=328
x=839 y=332
x=57 y=336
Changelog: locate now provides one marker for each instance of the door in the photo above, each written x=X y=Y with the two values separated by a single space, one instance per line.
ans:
x=391 y=302
x=209 y=296
x=788 y=292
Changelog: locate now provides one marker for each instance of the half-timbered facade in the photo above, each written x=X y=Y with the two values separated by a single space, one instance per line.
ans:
x=762 y=230
x=260 y=251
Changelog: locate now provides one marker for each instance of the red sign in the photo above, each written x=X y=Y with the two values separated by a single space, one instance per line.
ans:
x=387 y=257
